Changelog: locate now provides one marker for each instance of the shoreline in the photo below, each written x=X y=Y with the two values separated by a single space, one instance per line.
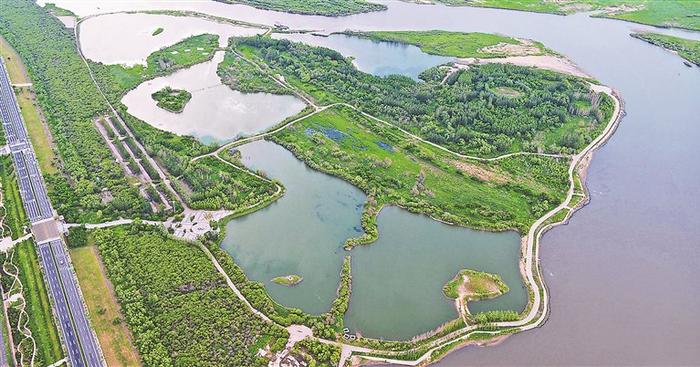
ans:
x=529 y=261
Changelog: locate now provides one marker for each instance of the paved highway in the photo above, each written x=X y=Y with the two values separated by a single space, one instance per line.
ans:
x=82 y=346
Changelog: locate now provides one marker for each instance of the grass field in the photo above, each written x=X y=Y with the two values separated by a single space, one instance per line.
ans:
x=15 y=217
x=114 y=337
x=13 y=63
x=662 y=13
x=38 y=132
x=394 y=169
x=38 y=307
x=687 y=49
x=5 y=336
x=455 y=44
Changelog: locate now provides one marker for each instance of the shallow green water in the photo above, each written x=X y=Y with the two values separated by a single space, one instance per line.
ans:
x=397 y=281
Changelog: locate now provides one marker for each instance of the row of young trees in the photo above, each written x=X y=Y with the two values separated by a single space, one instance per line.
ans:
x=179 y=308
x=70 y=101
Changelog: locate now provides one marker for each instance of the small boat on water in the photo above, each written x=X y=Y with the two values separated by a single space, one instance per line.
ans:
x=688 y=64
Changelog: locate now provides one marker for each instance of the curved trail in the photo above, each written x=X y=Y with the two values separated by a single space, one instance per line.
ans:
x=22 y=327
x=540 y=303
x=318 y=109
x=539 y=308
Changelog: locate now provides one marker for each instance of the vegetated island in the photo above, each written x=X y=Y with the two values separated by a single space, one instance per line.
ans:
x=173 y=100
x=288 y=280
x=667 y=13
x=460 y=44
x=158 y=31
x=687 y=49
x=471 y=285
x=314 y=7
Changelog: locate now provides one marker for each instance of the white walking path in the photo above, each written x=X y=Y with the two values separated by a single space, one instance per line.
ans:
x=539 y=309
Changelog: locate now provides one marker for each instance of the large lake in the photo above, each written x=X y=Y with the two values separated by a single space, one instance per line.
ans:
x=623 y=275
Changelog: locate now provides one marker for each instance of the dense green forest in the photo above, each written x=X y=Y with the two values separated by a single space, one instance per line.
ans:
x=393 y=168
x=686 y=48
x=91 y=186
x=314 y=7
x=457 y=44
x=245 y=77
x=173 y=100
x=210 y=183
x=178 y=307
x=486 y=110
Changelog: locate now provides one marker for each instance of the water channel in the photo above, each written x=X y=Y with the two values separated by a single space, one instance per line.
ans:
x=623 y=274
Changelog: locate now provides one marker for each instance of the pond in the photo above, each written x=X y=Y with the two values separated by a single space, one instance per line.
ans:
x=374 y=57
x=216 y=113
x=130 y=36
x=397 y=281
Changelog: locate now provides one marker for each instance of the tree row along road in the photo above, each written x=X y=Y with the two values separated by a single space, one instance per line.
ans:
x=78 y=337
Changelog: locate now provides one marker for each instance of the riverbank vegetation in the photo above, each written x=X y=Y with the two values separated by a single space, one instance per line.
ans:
x=462 y=109
x=173 y=100
x=105 y=314
x=91 y=186
x=179 y=308
x=314 y=7
x=59 y=12
x=472 y=285
x=686 y=48
x=115 y=80
x=394 y=169
x=459 y=44
x=667 y=13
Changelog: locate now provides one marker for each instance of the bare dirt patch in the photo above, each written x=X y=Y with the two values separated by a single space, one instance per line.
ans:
x=526 y=47
x=482 y=173
x=548 y=62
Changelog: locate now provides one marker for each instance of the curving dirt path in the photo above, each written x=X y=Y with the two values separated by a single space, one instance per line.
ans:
x=12 y=270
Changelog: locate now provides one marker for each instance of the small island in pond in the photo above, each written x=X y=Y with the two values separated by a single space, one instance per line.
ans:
x=472 y=285
x=173 y=100
x=288 y=280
